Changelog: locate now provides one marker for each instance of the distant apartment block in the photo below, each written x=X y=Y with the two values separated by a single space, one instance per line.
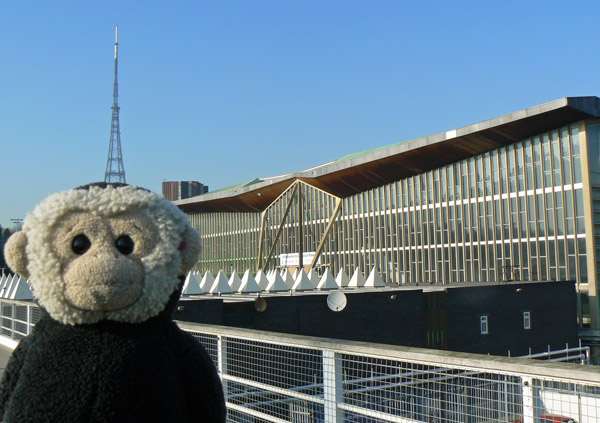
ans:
x=178 y=190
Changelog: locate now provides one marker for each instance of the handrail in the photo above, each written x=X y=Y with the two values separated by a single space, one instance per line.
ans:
x=477 y=362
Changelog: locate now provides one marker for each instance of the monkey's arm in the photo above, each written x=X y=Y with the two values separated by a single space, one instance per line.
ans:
x=11 y=373
x=201 y=380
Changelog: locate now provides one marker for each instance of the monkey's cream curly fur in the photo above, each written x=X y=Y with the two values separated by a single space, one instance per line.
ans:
x=162 y=266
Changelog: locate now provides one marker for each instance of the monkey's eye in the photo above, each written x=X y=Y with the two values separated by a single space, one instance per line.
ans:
x=125 y=244
x=80 y=244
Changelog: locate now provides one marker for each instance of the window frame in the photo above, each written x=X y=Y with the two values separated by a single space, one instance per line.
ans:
x=484 y=327
x=527 y=320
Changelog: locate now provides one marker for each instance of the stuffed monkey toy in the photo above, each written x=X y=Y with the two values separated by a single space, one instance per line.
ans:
x=106 y=262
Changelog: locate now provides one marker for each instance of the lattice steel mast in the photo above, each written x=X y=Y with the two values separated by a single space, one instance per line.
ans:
x=115 y=172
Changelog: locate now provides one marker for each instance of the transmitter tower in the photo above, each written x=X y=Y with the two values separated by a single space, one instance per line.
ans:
x=115 y=172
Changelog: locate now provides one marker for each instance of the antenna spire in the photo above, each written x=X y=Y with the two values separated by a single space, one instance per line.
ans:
x=116 y=42
x=115 y=172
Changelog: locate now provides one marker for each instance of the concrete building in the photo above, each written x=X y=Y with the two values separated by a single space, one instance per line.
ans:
x=177 y=190
x=514 y=197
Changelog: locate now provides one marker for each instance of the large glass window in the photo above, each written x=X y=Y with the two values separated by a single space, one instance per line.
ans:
x=495 y=175
x=512 y=174
x=549 y=197
x=556 y=176
x=574 y=132
x=520 y=168
x=541 y=230
x=537 y=162
x=547 y=165
x=579 y=211
x=451 y=182
x=528 y=164
x=487 y=174
x=503 y=172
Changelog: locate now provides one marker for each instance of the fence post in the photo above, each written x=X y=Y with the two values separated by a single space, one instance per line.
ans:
x=222 y=361
x=333 y=387
x=528 y=400
x=28 y=318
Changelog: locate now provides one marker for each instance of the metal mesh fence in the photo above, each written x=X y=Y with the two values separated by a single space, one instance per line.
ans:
x=16 y=321
x=210 y=344
x=279 y=378
x=267 y=380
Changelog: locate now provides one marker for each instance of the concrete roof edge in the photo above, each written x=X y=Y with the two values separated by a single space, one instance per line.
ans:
x=589 y=105
x=237 y=191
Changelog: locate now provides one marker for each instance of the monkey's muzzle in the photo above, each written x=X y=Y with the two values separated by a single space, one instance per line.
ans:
x=107 y=284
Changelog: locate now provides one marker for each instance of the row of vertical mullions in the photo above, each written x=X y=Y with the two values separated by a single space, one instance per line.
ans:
x=401 y=234
x=393 y=222
x=349 y=237
x=564 y=195
x=472 y=194
x=373 y=216
x=552 y=209
x=447 y=272
x=339 y=233
x=353 y=222
x=531 y=184
x=514 y=228
x=404 y=233
x=371 y=247
x=409 y=237
x=398 y=253
x=332 y=243
x=509 y=261
x=375 y=220
x=420 y=244
x=574 y=207
x=425 y=271
x=381 y=260
x=359 y=222
x=418 y=229
x=544 y=150
x=464 y=184
x=368 y=222
x=383 y=222
x=476 y=271
x=487 y=236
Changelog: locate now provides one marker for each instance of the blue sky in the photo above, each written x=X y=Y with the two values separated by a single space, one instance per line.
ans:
x=222 y=92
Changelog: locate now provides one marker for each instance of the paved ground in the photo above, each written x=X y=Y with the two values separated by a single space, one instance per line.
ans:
x=5 y=353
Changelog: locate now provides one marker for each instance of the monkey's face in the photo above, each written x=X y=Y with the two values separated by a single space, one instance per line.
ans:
x=111 y=253
x=102 y=258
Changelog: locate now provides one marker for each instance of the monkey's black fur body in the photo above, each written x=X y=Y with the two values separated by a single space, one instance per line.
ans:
x=111 y=372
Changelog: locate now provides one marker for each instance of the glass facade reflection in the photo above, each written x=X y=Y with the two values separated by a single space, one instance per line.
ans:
x=516 y=212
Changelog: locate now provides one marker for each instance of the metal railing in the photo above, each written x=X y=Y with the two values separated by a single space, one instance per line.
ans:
x=271 y=377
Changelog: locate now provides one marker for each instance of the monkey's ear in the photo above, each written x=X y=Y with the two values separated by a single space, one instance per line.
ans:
x=190 y=249
x=14 y=253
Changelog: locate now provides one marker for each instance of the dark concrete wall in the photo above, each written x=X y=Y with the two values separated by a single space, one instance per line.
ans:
x=553 y=318
x=368 y=317
x=374 y=317
x=209 y=311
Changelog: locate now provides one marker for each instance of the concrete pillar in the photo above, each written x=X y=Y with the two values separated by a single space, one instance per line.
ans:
x=528 y=400
x=222 y=361
x=333 y=387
